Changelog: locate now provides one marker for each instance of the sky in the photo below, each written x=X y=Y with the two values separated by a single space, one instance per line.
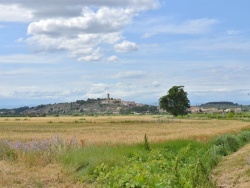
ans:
x=54 y=51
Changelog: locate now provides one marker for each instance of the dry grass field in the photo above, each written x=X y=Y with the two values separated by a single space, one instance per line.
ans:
x=97 y=130
x=234 y=170
x=115 y=129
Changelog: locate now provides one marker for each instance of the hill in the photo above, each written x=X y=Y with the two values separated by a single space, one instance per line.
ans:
x=82 y=107
x=224 y=105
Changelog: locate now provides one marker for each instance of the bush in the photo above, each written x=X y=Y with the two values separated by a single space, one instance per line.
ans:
x=226 y=144
x=160 y=168
x=244 y=136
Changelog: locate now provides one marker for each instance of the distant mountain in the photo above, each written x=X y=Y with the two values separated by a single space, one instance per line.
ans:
x=224 y=105
x=82 y=107
x=220 y=103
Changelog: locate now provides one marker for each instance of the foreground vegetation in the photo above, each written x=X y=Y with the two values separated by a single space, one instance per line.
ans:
x=180 y=163
x=146 y=163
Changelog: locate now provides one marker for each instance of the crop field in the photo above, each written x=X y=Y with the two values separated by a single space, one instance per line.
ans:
x=116 y=129
x=113 y=151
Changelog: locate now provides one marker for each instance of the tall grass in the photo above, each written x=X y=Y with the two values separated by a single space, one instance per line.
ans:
x=83 y=161
x=35 y=152
x=179 y=163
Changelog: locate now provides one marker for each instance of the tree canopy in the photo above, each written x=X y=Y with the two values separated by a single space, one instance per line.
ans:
x=176 y=101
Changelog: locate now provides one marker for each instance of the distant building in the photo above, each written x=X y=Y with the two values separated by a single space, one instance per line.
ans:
x=237 y=110
x=195 y=109
x=160 y=110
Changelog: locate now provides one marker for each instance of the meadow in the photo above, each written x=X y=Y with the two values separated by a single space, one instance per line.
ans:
x=94 y=151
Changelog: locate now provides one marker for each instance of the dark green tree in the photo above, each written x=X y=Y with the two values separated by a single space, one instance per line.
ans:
x=176 y=101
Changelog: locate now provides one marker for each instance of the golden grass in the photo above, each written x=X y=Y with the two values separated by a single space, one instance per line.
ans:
x=234 y=170
x=116 y=129
x=20 y=176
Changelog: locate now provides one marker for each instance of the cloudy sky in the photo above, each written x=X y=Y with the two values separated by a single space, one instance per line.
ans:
x=65 y=50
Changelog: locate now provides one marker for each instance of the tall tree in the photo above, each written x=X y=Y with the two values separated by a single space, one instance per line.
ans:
x=176 y=101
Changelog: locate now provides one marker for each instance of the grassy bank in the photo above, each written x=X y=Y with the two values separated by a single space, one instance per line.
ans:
x=179 y=163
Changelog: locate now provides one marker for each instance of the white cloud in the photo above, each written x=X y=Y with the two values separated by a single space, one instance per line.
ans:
x=113 y=58
x=104 y=20
x=15 y=13
x=73 y=8
x=76 y=25
x=125 y=46
x=92 y=57
x=81 y=37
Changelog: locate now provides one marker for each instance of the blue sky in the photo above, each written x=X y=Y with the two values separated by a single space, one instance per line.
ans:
x=134 y=50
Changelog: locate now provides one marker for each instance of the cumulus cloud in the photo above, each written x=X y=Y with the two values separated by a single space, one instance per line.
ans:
x=73 y=8
x=104 y=20
x=125 y=46
x=15 y=13
x=79 y=27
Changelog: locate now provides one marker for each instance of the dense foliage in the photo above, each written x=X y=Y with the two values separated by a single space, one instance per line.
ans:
x=184 y=164
x=160 y=168
x=145 y=109
x=176 y=101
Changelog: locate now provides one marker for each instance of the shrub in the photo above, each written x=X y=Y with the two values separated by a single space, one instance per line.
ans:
x=226 y=144
x=244 y=136
x=160 y=168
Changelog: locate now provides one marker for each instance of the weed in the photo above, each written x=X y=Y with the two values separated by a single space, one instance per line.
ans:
x=38 y=184
x=146 y=143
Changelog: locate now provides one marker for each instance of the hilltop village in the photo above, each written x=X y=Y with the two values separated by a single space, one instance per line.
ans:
x=97 y=106
x=108 y=105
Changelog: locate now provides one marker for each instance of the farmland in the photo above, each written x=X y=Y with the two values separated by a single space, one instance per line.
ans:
x=89 y=137
x=116 y=129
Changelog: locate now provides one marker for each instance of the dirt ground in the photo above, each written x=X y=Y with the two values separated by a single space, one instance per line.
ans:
x=234 y=170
